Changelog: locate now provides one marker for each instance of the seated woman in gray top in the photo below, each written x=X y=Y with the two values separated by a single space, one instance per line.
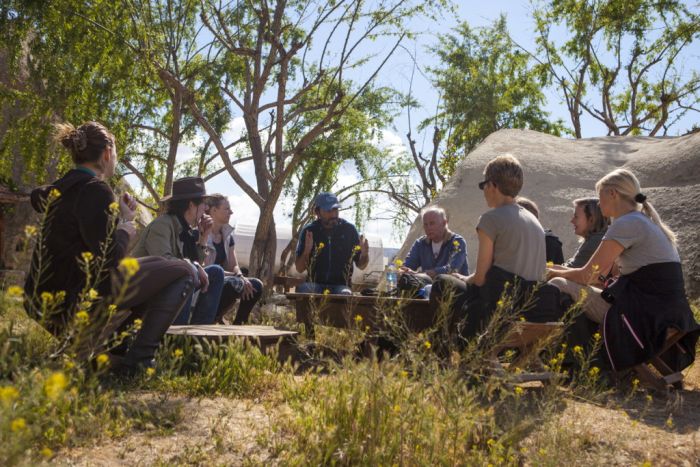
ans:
x=649 y=296
x=511 y=244
x=590 y=225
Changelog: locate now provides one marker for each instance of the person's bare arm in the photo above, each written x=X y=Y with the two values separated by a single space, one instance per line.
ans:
x=302 y=261
x=484 y=260
x=600 y=263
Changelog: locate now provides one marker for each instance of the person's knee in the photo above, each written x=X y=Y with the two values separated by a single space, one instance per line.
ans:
x=558 y=282
x=257 y=284
x=306 y=287
x=215 y=273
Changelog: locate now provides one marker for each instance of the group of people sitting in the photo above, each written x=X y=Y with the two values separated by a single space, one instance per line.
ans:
x=623 y=243
x=190 y=250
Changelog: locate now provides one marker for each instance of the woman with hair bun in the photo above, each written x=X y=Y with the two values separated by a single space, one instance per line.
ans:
x=648 y=298
x=80 y=223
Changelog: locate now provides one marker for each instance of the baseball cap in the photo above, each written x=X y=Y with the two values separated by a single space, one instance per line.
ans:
x=327 y=201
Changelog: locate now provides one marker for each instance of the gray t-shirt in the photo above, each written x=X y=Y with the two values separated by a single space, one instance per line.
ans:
x=644 y=242
x=585 y=250
x=518 y=240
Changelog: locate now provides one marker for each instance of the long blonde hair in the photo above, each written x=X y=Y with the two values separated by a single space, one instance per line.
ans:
x=626 y=184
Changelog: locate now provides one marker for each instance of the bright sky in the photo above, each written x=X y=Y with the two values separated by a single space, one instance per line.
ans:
x=397 y=74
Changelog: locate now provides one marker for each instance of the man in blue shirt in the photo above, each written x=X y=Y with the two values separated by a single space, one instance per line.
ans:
x=439 y=251
x=327 y=248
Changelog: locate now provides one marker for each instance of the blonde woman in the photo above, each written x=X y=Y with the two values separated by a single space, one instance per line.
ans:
x=649 y=296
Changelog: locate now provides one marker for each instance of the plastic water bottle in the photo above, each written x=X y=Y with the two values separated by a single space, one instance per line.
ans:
x=390 y=278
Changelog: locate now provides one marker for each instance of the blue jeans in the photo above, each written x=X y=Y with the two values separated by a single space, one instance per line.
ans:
x=207 y=303
x=314 y=287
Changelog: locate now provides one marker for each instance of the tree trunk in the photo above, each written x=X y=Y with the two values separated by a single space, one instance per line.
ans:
x=262 y=255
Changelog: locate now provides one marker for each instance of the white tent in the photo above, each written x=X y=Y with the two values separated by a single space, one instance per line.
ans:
x=245 y=233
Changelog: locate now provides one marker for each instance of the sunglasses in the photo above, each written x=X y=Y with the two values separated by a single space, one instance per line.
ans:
x=483 y=184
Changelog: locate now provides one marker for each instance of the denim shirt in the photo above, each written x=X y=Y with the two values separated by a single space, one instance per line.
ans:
x=452 y=256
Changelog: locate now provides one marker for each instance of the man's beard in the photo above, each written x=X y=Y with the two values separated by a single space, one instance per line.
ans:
x=330 y=223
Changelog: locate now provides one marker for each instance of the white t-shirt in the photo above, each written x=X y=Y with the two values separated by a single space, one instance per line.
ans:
x=436 y=249
x=644 y=242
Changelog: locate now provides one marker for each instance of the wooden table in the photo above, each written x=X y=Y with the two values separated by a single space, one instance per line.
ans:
x=357 y=311
x=262 y=336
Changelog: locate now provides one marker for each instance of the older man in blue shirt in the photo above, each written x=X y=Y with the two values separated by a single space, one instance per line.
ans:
x=439 y=251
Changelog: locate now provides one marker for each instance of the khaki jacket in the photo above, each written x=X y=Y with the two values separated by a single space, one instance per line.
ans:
x=162 y=238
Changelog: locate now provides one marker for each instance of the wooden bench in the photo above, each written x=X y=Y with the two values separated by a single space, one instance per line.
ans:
x=655 y=373
x=528 y=339
x=287 y=282
x=342 y=311
x=264 y=337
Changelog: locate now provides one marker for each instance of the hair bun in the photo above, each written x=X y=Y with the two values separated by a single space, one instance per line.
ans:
x=640 y=198
x=79 y=139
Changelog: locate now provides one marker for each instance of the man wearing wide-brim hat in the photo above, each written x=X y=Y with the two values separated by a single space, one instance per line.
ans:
x=182 y=233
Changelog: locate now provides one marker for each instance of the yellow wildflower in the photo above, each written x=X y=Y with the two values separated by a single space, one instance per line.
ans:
x=18 y=424
x=550 y=264
x=54 y=194
x=60 y=296
x=137 y=324
x=102 y=359
x=518 y=391
x=8 y=394
x=398 y=263
x=594 y=371
x=29 y=230
x=150 y=372
x=177 y=353
x=491 y=442
x=15 y=291
x=320 y=246
x=82 y=317
x=455 y=243
x=397 y=408
x=111 y=309
x=635 y=383
x=649 y=398
x=596 y=336
x=129 y=266
x=499 y=303
x=542 y=451
x=114 y=207
x=326 y=291
x=583 y=294
x=87 y=256
x=578 y=349
x=357 y=248
x=46 y=298
x=69 y=365
x=93 y=295
x=669 y=421
x=404 y=374
x=358 y=319
x=427 y=345
x=522 y=318
x=55 y=385
x=47 y=453
x=553 y=362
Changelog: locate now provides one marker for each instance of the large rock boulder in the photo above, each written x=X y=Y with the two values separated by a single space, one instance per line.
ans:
x=559 y=170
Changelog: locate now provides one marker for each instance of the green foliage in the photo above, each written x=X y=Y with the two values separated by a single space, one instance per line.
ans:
x=486 y=84
x=62 y=68
x=622 y=62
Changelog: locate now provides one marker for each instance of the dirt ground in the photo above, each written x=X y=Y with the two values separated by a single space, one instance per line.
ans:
x=663 y=431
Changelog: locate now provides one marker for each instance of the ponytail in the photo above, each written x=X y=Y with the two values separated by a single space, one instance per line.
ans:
x=649 y=211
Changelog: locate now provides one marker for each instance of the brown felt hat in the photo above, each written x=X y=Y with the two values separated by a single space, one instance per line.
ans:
x=187 y=188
